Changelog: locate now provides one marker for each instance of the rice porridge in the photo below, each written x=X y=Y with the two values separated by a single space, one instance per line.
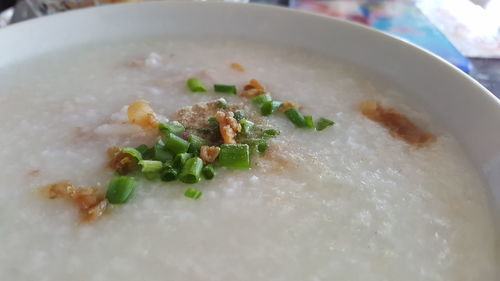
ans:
x=351 y=202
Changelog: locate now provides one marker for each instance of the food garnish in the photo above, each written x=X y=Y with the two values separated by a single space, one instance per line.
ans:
x=228 y=126
x=399 y=126
x=261 y=99
x=291 y=110
x=120 y=189
x=191 y=170
x=237 y=67
x=140 y=113
x=323 y=123
x=90 y=201
x=256 y=84
x=296 y=117
x=236 y=156
x=195 y=85
x=208 y=172
x=209 y=153
x=253 y=89
x=225 y=89
x=193 y=193
x=289 y=104
x=206 y=136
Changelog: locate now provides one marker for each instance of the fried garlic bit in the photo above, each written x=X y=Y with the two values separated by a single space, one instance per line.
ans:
x=399 y=126
x=123 y=163
x=228 y=126
x=252 y=89
x=289 y=104
x=90 y=201
x=140 y=113
x=237 y=67
x=209 y=153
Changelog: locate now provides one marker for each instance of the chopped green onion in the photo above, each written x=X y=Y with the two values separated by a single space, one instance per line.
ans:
x=246 y=126
x=193 y=193
x=169 y=174
x=324 y=123
x=150 y=166
x=239 y=115
x=195 y=85
x=259 y=145
x=269 y=107
x=191 y=171
x=162 y=155
x=262 y=99
x=222 y=103
x=213 y=121
x=204 y=131
x=132 y=152
x=296 y=117
x=236 y=156
x=151 y=176
x=270 y=133
x=120 y=189
x=142 y=148
x=180 y=159
x=208 y=172
x=226 y=89
x=196 y=143
x=309 y=122
x=176 y=144
x=175 y=128
x=159 y=152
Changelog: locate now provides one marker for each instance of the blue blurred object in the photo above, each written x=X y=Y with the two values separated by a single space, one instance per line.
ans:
x=412 y=26
x=400 y=19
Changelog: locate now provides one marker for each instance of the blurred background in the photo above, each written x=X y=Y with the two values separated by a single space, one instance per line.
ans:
x=464 y=32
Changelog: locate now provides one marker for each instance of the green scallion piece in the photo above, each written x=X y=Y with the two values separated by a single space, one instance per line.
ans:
x=193 y=193
x=148 y=154
x=176 y=144
x=142 y=148
x=159 y=152
x=239 y=115
x=196 y=143
x=258 y=145
x=151 y=176
x=195 y=85
x=208 y=172
x=270 y=133
x=180 y=159
x=269 y=107
x=309 y=122
x=225 y=89
x=260 y=99
x=169 y=174
x=175 y=128
x=323 y=123
x=191 y=171
x=120 y=189
x=296 y=117
x=236 y=156
x=246 y=126
x=132 y=152
x=222 y=103
x=213 y=121
x=150 y=166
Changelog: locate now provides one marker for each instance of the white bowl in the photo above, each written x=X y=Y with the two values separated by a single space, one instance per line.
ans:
x=462 y=105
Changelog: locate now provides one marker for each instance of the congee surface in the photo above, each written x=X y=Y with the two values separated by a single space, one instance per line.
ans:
x=348 y=203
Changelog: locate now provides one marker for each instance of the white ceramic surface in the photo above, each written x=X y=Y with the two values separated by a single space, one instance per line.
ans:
x=462 y=105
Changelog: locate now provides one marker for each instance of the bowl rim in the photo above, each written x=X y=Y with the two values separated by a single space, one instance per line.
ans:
x=279 y=9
